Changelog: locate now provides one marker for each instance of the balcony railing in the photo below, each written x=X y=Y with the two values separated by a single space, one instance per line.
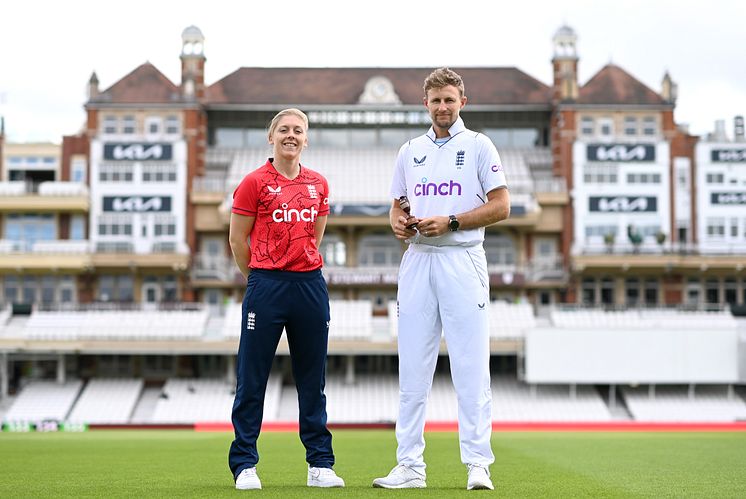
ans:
x=654 y=248
x=56 y=246
x=49 y=188
x=213 y=267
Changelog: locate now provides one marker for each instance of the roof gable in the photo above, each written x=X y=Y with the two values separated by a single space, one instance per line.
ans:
x=144 y=85
x=613 y=85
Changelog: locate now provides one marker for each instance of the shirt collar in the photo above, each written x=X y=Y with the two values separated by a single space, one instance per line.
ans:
x=457 y=127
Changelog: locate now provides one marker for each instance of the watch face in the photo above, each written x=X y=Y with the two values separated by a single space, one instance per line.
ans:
x=453 y=224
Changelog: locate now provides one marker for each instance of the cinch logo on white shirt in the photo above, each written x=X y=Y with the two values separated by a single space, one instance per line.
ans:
x=426 y=188
x=293 y=215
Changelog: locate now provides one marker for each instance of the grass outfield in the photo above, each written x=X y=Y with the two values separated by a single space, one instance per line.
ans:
x=149 y=463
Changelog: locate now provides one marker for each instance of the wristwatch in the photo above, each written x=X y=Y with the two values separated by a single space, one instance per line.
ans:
x=453 y=223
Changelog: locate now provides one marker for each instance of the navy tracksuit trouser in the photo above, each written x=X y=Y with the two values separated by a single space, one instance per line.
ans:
x=298 y=302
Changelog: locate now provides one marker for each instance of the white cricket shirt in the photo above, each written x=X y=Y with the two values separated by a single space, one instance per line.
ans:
x=448 y=179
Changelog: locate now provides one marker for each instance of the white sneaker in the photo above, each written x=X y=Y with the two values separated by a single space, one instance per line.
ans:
x=401 y=477
x=248 y=479
x=479 y=478
x=323 y=477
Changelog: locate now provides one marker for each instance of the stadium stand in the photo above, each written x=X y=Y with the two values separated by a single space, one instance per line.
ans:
x=516 y=401
x=43 y=401
x=684 y=404
x=107 y=401
x=653 y=318
x=510 y=320
x=351 y=319
x=116 y=325
x=370 y=399
x=207 y=400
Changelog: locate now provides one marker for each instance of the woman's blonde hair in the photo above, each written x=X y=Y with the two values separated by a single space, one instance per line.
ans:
x=285 y=112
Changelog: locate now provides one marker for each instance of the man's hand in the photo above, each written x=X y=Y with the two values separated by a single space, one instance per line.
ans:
x=400 y=227
x=433 y=226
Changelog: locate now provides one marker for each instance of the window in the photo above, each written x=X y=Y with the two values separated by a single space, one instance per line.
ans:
x=649 y=126
x=333 y=251
x=77 y=227
x=500 y=250
x=731 y=291
x=600 y=174
x=158 y=173
x=643 y=178
x=173 y=127
x=128 y=125
x=164 y=225
x=114 y=172
x=110 y=125
x=693 y=289
x=78 y=170
x=630 y=126
x=715 y=178
x=589 y=291
x=600 y=230
x=27 y=229
x=379 y=251
x=10 y=288
x=153 y=125
x=115 y=288
x=734 y=227
x=651 y=291
x=586 y=126
x=632 y=292
x=115 y=225
x=715 y=227
x=712 y=291
x=606 y=127
x=607 y=291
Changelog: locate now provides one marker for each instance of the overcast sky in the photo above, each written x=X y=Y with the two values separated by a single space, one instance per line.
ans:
x=48 y=49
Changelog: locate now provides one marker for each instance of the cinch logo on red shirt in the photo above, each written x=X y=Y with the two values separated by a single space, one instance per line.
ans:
x=293 y=215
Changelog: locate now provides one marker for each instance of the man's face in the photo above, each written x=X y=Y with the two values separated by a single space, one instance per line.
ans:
x=444 y=105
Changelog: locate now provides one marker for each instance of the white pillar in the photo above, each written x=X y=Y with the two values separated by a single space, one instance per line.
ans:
x=350 y=370
x=61 y=368
x=4 y=375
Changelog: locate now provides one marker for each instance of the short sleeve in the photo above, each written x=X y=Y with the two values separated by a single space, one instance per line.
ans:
x=245 y=197
x=324 y=208
x=490 y=167
x=399 y=181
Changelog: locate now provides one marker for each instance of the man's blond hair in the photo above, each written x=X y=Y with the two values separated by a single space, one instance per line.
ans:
x=442 y=77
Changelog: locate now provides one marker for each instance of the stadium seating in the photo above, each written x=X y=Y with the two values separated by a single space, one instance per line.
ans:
x=370 y=399
x=510 y=320
x=109 y=401
x=350 y=320
x=44 y=401
x=116 y=325
x=207 y=400
x=677 y=404
x=516 y=401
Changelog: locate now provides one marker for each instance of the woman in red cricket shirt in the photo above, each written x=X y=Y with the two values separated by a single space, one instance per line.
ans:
x=282 y=208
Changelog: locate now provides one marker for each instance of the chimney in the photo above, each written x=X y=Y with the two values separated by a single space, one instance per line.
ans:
x=738 y=131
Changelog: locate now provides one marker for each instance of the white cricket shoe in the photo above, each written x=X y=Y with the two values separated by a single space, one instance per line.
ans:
x=401 y=477
x=248 y=479
x=323 y=477
x=479 y=478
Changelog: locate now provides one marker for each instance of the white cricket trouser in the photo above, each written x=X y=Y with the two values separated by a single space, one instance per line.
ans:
x=444 y=289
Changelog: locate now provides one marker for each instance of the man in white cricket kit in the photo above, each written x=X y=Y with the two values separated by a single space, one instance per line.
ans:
x=455 y=184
